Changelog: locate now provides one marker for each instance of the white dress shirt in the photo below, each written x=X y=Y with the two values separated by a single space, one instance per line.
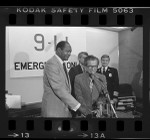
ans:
x=105 y=69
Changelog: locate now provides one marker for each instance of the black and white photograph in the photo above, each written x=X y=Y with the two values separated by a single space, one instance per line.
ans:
x=74 y=72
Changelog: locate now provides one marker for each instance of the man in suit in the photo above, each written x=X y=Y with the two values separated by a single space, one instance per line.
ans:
x=57 y=96
x=90 y=87
x=112 y=77
x=75 y=71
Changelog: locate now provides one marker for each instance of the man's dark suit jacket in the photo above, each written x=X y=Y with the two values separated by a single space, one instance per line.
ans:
x=72 y=74
x=112 y=79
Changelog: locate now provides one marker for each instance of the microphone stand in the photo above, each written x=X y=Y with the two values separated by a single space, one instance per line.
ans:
x=108 y=97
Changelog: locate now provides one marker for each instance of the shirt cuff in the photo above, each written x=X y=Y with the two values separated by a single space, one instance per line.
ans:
x=116 y=93
x=76 y=108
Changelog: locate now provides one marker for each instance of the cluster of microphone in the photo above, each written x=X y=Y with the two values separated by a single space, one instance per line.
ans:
x=105 y=92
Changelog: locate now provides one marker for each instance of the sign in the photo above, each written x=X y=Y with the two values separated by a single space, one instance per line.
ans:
x=31 y=47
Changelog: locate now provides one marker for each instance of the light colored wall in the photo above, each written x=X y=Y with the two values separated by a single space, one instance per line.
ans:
x=101 y=42
x=131 y=58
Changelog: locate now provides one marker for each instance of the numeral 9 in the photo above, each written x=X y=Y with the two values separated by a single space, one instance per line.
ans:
x=39 y=41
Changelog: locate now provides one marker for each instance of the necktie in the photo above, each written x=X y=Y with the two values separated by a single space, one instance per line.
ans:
x=83 y=69
x=65 y=69
x=91 y=84
x=103 y=70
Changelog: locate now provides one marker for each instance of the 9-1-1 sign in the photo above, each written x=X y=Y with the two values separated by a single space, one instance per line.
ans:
x=31 y=47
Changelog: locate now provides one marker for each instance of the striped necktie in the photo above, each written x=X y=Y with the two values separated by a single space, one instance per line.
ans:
x=91 y=85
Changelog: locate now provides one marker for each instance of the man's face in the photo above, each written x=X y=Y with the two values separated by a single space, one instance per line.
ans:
x=105 y=62
x=66 y=52
x=81 y=59
x=92 y=66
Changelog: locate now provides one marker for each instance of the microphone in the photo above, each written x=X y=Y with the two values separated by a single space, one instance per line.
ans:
x=105 y=91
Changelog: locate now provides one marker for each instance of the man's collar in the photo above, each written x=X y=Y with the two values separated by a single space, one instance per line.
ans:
x=59 y=59
x=105 y=68
x=81 y=66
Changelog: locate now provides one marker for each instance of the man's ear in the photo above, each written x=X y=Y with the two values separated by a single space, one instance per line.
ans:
x=59 y=50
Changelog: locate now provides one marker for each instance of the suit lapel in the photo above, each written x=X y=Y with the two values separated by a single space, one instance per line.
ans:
x=97 y=84
x=100 y=70
x=63 y=72
x=87 y=82
x=80 y=69
x=108 y=70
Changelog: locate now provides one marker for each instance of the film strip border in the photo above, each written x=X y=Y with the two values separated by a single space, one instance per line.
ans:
x=67 y=20
x=77 y=128
x=74 y=16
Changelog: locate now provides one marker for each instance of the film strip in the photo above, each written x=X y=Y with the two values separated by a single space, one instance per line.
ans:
x=31 y=125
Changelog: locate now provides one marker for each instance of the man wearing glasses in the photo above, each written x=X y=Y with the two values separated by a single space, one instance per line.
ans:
x=90 y=86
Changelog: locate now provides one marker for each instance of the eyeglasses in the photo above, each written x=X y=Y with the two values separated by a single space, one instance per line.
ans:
x=92 y=67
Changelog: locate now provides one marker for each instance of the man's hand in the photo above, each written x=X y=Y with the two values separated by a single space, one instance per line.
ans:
x=85 y=110
x=115 y=100
x=116 y=93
